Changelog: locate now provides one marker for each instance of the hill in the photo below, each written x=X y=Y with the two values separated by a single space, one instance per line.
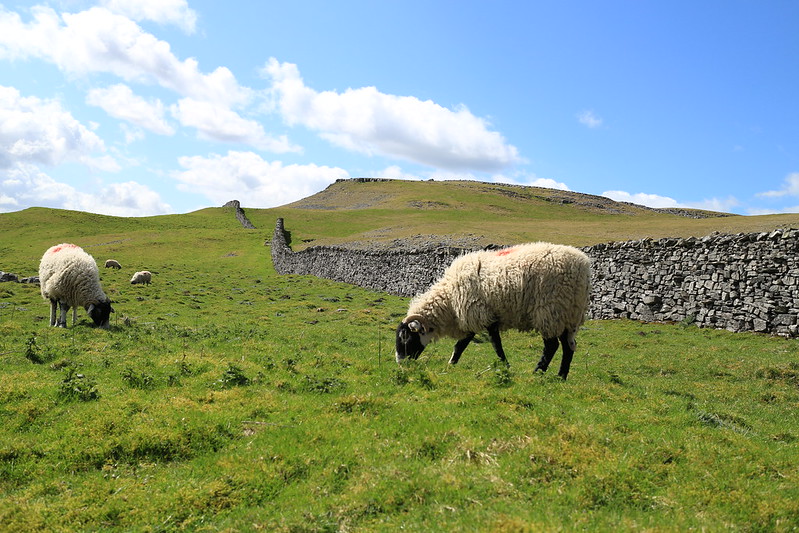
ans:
x=228 y=398
x=382 y=211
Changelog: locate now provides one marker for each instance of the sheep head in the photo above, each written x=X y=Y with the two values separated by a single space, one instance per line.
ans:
x=100 y=313
x=413 y=334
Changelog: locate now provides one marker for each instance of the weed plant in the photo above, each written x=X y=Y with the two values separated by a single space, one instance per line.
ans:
x=226 y=397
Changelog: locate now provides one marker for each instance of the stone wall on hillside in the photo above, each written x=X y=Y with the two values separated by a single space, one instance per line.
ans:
x=743 y=282
x=402 y=272
x=240 y=215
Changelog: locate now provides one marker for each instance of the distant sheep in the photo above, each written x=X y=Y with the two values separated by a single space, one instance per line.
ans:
x=69 y=278
x=112 y=263
x=540 y=286
x=142 y=277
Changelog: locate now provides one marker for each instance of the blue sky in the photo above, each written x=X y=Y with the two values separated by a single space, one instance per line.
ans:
x=146 y=107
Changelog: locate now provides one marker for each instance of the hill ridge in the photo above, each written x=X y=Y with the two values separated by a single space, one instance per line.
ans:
x=320 y=200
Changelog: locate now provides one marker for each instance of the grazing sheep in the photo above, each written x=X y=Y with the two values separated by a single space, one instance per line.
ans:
x=69 y=278
x=540 y=286
x=112 y=263
x=142 y=277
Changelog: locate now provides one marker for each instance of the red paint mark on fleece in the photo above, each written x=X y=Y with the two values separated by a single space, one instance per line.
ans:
x=507 y=251
x=59 y=248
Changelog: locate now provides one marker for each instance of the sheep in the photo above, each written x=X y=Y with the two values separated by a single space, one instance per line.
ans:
x=112 y=263
x=142 y=277
x=537 y=286
x=69 y=278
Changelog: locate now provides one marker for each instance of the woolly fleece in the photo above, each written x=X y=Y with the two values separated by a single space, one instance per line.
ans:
x=70 y=275
x=538 y=286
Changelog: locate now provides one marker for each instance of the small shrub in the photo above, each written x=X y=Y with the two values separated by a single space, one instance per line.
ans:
x=233 y=377
x=424 y=380
x=137 y=380
x=32 y=351
x=77 y=386
x=501 y=375
x=399 y=377
x=322 y=385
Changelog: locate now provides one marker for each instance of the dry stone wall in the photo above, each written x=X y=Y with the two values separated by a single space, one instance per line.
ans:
x=743 y=282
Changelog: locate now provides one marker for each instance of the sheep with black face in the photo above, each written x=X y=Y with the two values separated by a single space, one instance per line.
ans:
x=530 y=287
x=69 y=278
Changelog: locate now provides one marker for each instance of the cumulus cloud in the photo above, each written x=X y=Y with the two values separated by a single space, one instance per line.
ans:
x=248 y=177
x=38 y=131
x=550 y=184
x=722 y=205
x=222 y=124
x=641 y=198
x=790 y=187
x=368 y=121
x=25 y=185
x=589 y=119
x=98 y=40
x=120 y=102
x=175 y=12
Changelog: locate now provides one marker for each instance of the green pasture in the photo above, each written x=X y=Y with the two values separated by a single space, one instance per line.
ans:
x=228 y=398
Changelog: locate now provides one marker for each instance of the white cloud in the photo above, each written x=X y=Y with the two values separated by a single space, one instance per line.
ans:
x=33 y=130
x=175 y=12
x=120 y=102
x=368 y=121
x=790 y=187
x=759 y=211
x=550 y=184
x=589 y=119
x=97 y=40
x=222 y=124
x=24 y=185
x=649 y=200
x=394 y=172
x=245 y=176
x=530 y=180
x=722 y=205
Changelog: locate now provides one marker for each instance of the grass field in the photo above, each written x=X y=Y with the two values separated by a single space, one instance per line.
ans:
x=228 y=398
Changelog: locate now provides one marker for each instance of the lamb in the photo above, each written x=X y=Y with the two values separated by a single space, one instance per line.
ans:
x=142 y=277
x=112 y=263
x=69 y=278
x=537 y=286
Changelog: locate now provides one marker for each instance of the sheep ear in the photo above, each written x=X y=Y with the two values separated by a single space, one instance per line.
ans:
x=90 y=308
x=415 y=326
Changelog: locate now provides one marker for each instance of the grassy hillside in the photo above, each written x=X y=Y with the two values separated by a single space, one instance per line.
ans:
x=492 y=213
x=228 y=398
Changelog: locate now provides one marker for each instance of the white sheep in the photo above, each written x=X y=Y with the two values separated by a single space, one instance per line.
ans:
x=112 y=263
x=539 y=286
x=69 y=278
x=142 y=277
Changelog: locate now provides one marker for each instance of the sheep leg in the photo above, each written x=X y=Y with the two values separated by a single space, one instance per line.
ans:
x=496 y=342
x=459 y=347
x=550 y=347
x=53 y=310
x=74 y=315
x=62 y=316
x=569 y=345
